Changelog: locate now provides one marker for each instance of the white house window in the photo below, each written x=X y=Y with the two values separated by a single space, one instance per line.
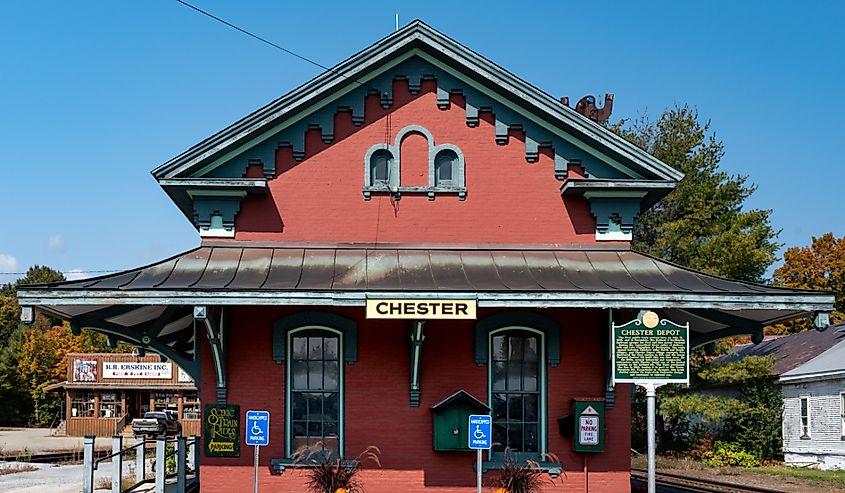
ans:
x=805 y=417
x=842 y=415
x=380 y=163
x=444 y=168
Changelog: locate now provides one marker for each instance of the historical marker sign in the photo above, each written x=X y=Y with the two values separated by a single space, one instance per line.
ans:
x=650 y=351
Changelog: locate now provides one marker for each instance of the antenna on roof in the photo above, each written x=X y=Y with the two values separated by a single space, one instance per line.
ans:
x=397 y=21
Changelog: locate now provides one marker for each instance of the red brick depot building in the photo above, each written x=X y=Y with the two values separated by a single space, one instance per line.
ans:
x=412 y=236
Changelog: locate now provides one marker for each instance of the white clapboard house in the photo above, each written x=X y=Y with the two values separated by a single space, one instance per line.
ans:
x=814 y=410
x=810 y=367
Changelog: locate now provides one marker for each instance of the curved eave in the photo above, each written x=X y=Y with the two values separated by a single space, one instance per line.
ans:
x=523 y=299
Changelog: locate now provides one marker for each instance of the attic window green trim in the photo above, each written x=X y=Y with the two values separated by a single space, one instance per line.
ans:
x=344 y=325
x=547 y=325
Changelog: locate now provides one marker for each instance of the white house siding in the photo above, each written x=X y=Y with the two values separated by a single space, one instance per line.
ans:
x=825 y=448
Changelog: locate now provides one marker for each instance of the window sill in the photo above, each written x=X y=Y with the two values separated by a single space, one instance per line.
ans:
x=432 y=192
x=278 y=466
x=553 y=469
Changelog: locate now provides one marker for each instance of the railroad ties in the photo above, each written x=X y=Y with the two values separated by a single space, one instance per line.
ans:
x=677 y=483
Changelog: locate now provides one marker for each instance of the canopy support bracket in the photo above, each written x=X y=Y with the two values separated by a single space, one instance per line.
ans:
x=417 y=338
x=216 y=332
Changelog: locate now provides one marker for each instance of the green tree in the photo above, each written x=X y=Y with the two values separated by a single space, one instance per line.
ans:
x=703 y=223
x=818 y=266
x=750 y=420
x=40 y=274
x=34 y=356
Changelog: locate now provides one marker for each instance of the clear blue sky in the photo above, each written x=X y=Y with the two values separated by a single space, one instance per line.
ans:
x=95 y=94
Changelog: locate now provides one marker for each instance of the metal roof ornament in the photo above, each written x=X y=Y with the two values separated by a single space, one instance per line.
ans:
x=587 y=107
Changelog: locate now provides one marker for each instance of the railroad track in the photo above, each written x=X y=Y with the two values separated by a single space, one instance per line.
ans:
x=52 y=457
x=678 y=483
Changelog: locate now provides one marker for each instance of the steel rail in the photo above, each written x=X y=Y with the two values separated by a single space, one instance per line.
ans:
x=681 y=483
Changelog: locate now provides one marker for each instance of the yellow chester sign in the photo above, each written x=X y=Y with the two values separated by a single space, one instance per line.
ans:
x=421 y=309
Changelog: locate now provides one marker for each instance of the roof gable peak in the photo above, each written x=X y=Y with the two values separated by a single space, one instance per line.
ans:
x=358 y=71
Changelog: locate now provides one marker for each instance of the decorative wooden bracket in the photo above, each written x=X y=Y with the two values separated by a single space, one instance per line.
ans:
x=216 y=333
x=145 y=335
x=609 y=388
x=417 y=338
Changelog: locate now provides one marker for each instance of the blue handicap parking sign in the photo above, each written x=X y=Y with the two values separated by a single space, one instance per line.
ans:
x=480 y=429
x=257 y=427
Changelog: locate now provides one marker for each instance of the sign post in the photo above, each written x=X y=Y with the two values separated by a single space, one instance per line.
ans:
x=257 y=435
x=479 y=431
x=650 y=352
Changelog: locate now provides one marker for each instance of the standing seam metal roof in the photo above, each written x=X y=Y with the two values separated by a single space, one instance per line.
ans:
x=403 y=268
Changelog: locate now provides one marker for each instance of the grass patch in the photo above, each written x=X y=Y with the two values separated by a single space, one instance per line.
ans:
x=16 y=468
x=827 y=477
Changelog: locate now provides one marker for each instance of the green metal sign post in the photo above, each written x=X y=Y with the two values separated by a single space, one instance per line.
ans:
x=650 y=352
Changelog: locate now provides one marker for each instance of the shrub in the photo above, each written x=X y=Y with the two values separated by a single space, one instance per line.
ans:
x=703 y=445
x=725 y=454
x=328 y=473
x=522 y=476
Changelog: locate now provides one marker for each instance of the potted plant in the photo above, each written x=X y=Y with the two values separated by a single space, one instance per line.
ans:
x=328 y=473
x=522 y=476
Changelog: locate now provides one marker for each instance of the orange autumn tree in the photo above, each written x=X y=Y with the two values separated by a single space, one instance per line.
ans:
x=818 y=266
x=42 y=361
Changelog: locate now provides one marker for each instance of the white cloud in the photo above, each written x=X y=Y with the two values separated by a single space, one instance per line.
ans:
x=56 y=243
x=8 y=263
x=76 y=274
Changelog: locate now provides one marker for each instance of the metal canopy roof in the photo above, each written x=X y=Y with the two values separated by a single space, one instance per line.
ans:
x=227 y=273
x=152 y=306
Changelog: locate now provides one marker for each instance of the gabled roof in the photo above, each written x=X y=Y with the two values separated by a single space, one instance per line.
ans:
x=789 y=352
x=464 y=397
x=830 y=363
x=357 y=69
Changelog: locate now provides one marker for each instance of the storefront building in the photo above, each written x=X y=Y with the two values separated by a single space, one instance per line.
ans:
x=414 y=235
x=105 y=391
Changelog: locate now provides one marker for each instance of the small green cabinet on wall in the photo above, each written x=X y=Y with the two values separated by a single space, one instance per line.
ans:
x=451 y=416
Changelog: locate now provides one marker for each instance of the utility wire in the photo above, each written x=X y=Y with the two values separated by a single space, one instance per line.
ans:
x=274 y=45
x=64 y=272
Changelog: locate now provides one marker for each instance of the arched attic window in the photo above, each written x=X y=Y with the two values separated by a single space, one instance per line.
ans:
x=381 y=163
x=445 y=168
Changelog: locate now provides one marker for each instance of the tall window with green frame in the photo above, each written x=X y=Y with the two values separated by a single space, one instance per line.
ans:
x=314 y=383
x=516 y=386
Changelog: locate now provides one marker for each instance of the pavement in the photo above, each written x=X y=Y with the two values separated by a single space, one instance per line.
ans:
x=51 y=478
x=55 y=478
x=38 y=440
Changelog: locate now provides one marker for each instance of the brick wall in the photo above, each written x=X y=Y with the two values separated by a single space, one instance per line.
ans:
x=377 y=410
x=509 y=200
